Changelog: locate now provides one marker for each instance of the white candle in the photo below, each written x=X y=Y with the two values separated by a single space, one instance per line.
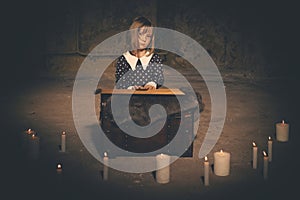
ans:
x=25 y=139
x=59 y=168
x=206 y=171
x=30 y=131
x=163 y=168
x=34 y=147
x=282 y=131
x=63 y=141
x=270 y=147
x=254 y=154
x=266 y=165
x=222 y=163
x=105 y=166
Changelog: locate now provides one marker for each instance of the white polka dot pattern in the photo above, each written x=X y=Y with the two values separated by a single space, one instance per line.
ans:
x=126 y=77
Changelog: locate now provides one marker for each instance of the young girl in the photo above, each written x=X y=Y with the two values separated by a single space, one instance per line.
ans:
x=140 y=68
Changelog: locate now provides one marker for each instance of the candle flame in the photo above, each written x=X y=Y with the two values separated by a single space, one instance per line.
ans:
x=33 y=135
x=282 y=121
x=29 y=131
x=59 y=166
x=64 y=133
x=254 y=144
x=265 y=154
x=105 y=154
x=205 y=159
x=221 y=151
x=269 y=138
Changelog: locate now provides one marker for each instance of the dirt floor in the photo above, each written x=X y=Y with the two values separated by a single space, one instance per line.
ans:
x=254 y=105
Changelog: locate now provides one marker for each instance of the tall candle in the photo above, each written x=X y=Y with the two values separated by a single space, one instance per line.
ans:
x=254 y=155
x=270 y=147
x=206 y=171
x=266 y=165
x=222 y=163
x=105 y=166
x=282 y=131
x=34 y=146
x=63 y=141
x=163 y=168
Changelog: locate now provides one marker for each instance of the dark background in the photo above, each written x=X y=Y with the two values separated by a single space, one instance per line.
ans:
x=42 y=39
x=40 y=36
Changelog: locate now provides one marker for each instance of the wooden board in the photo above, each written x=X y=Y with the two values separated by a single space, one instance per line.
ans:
x=162 y=91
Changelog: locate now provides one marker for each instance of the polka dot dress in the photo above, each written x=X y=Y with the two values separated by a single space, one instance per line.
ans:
x=126 y=77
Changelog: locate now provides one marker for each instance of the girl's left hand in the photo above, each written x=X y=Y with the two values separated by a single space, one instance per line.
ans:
x=149 y=87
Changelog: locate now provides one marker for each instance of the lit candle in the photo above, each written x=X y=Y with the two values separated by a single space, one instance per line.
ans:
x=63 y=141
x=282 y=131
x=254 y=154
x=25 y=139
x=163 y=168
x=206 y=171
x=34 y=146
x=222 y=163
x=105 y=166
x=59 y=168
x=30 y=131
x=266 y=165
x=270 y=147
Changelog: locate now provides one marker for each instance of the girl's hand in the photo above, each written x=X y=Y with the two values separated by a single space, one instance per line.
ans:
x=149 y=87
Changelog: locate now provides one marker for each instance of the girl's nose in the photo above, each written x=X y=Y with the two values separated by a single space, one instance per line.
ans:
x=143 y=38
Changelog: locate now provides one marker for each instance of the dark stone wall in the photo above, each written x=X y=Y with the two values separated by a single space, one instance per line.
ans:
x=54 y=36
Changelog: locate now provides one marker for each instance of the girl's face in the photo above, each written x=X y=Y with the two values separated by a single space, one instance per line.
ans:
x=144 y=37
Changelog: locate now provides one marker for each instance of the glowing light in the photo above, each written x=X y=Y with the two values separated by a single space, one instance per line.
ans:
x=265 y=154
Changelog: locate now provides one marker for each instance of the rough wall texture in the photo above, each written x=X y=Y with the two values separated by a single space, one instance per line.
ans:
x=237 y=36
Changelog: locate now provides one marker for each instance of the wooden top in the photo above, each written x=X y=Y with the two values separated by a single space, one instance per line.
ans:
x=161 y=91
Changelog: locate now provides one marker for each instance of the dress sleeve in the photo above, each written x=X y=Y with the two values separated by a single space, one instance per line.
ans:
x=121 y=69
x=158 y=73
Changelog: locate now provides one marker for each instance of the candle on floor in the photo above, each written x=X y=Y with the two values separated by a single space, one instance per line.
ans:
x=63 y=141
x=163 y=168
x=25 y=139
x=282 y=131
x=30 y=131
x=34 y=146
x=59 y=168
x=266 y=165
x=270 y=147
x=206 y=171
x=222 y=163
x=254 y=155
x=105 y=166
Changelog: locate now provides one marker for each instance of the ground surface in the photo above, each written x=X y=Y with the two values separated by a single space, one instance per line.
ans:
x=254 y=105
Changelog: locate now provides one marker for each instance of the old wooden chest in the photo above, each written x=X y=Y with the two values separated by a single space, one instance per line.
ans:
x=139 y=104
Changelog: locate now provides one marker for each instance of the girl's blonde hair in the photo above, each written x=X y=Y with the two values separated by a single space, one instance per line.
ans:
x=138 y=23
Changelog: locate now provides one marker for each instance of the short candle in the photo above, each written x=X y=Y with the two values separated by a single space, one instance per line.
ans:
x=34 y=146
x=29 y=131
x=222 y=163
x=282 y=131
x=59 y=168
